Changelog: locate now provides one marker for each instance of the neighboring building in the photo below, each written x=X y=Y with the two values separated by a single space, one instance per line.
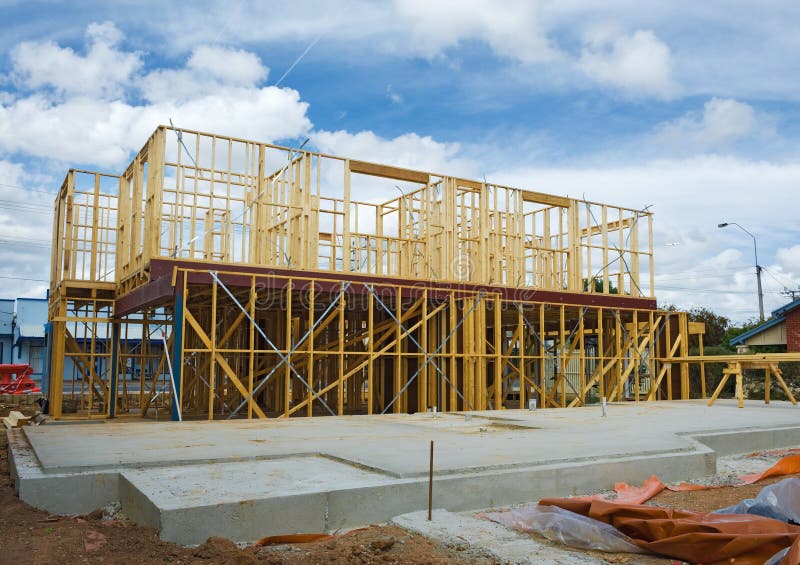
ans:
x=22 y=340
x=31 y=316
x=783 y=328
x=6 y=330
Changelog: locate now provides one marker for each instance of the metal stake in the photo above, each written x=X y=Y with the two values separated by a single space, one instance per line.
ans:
x=430 y=487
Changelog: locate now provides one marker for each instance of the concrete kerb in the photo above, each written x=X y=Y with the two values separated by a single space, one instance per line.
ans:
x=748 y=440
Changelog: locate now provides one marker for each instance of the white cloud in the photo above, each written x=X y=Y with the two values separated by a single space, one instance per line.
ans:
x=724 y=121
x=208 y=68
x=741 y=51
x=102 y=71
x=231 y=66
x=408 y=150
x=639 y=63
x=788 y=263
x=11 y=175
x=83 y=130
x=513 y=30
x=217 y=90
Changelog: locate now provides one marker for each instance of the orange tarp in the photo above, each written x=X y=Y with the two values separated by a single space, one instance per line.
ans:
x=786 y=466
x=627 y=494
x=301 y=538
x=292 y=538
x=691 y=536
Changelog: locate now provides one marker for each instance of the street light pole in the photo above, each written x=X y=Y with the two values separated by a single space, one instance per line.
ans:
x=758 y=267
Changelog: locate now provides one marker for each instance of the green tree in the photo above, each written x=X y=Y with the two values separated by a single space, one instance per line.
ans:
x=735 y=331
x=716 y=326
x=598 y=286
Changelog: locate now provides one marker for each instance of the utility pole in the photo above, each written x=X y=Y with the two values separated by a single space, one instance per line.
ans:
x=792 y=294
x=758 y=267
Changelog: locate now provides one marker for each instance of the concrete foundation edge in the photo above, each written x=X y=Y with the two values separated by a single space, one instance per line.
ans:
x=353 y=507
x=66 y=494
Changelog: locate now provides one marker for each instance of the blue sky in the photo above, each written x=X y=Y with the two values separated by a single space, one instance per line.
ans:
x=690 y=107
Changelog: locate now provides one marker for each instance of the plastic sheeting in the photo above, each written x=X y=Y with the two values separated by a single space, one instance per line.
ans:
x=692 y=536
x=568 y=528
x=780 y=501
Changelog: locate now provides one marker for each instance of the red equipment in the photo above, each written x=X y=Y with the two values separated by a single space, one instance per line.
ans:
x=21 y=383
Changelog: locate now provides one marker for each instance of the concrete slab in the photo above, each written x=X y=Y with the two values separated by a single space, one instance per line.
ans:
x=195 y=479
x=239 y=500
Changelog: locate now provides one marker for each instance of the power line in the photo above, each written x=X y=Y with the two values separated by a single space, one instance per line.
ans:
x=22 y=207
x=47 y=206
x=692 y=276
x=769 y=272
x=29 y=189
x=24 y=244
x=711 y=290
x=5 y=237
x=23 y=278
x=708 y=270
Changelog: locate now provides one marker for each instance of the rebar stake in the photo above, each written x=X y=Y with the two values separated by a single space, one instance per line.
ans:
x=430 y=487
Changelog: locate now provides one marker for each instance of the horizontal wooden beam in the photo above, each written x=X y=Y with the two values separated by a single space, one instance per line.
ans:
x=388 y=172
x=464 y=183
x=610 y=226
x=793 y=357
x=548 y=199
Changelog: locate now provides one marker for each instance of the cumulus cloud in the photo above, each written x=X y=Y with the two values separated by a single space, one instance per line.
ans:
x=788 y=261
x=639 y=63
x=752 y=39
x=409 y=150
x=724 y=121
x=514 y=31
x=102 y=71
x=208 y=68
x=217 y=89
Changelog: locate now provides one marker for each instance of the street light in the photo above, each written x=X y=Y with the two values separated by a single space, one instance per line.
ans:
x=758 y=267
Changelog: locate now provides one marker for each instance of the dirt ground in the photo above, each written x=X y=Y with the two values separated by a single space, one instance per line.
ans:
x=33 y=536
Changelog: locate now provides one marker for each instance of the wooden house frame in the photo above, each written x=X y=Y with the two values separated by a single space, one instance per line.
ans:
x=262 y=281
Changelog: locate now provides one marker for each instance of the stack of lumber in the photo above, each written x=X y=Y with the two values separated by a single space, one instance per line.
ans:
x=16 y=419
